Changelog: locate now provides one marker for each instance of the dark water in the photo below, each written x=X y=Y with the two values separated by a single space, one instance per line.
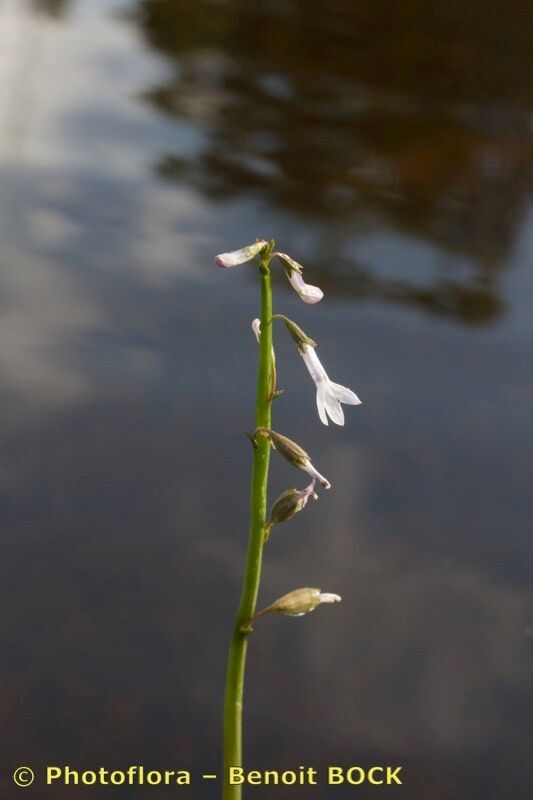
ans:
x=387 y=149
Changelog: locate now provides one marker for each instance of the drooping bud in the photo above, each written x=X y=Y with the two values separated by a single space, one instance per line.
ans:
x=293 y=270
x=289 y=503
x=235 y=257
x=299 y=336
x=295 y=454
x=297 y=603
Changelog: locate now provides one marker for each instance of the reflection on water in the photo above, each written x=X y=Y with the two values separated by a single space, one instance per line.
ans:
x=387 y=152
x=418 y=122
x=52 y=7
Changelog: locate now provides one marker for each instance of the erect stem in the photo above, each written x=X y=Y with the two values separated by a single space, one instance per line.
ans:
x=233 y=704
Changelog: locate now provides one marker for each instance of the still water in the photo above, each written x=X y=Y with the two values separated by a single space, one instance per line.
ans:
x=385 y=149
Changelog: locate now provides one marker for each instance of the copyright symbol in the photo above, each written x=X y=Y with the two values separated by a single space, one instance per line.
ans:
x=23 y=776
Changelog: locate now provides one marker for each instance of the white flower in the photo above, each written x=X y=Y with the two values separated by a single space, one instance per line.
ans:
x=241 y=256
x=329 y=395
x=307 y=292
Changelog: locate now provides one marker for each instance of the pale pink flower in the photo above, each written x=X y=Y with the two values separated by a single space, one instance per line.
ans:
x=241 y=256
x=307 y=292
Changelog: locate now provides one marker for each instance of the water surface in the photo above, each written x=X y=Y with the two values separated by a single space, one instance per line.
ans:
x=386 y=151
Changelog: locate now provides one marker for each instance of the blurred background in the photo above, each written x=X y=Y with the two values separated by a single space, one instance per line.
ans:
x=387 y=150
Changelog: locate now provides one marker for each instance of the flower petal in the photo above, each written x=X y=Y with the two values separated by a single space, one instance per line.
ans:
x=334 y=409
x=305 y=494
x=321 y=405
x=313 y=364
x=310 y=469
x=329 y=597
x=345 y=395
x=307 y=292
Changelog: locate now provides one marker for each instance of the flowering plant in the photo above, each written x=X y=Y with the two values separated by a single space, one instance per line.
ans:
x=329 y=397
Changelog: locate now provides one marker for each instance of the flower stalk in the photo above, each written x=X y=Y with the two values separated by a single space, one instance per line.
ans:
x=258 y=510
x=329 y=398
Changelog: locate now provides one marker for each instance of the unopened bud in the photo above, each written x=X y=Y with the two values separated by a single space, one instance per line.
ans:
x=299 y=336
x=297 y=603
x=241 y=256
x=289 y=503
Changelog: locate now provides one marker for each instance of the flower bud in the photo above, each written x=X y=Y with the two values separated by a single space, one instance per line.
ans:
x=285 y=507
x=295 y=454
x=241 y=256
x=297 y=603
x=289 y=503
x=299 y=336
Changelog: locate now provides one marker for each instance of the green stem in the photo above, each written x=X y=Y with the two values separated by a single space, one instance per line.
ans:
x=252 y=572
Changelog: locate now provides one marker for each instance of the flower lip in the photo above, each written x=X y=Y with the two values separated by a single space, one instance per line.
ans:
x=240 y=256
